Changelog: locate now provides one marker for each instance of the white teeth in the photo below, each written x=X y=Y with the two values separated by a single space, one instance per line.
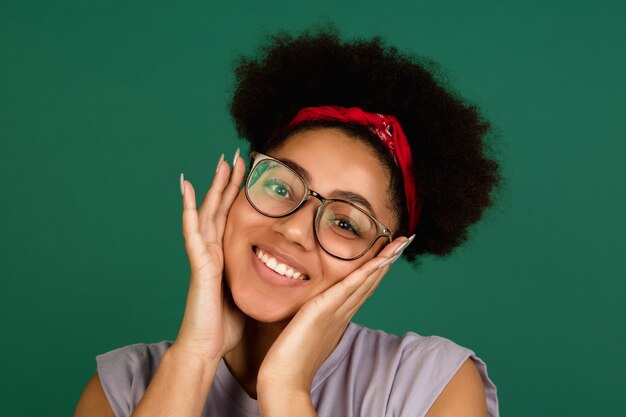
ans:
x=273 y=264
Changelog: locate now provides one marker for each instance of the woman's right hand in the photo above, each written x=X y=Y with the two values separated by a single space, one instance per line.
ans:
x=212 y=325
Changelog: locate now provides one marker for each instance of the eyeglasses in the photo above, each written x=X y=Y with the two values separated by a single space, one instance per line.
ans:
x=342 y=229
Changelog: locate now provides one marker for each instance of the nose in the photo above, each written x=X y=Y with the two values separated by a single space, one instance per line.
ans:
x=298 y=226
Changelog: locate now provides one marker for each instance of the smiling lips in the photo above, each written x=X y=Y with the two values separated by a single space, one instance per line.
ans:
x=278 y=267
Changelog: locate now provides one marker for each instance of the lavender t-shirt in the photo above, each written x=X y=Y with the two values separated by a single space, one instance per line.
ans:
x=370 y=373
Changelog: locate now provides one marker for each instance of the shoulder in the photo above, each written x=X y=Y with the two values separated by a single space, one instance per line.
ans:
x=150 y=352
x=93 y=401
x=125 y=373
x=422 y=371
x=409 y=349
x=463 y=396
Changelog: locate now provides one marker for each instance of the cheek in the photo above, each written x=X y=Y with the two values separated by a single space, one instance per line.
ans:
x=239 y=220
x=336 y=270
x=237 y=215
x=234 y=244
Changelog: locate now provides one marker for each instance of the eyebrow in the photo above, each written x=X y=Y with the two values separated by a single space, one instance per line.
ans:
x=341 y=194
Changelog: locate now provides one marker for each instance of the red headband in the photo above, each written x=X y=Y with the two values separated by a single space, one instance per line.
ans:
x=388 y=129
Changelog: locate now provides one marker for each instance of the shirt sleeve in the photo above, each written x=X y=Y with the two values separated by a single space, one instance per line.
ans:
x=426 y=366
x=126 y=372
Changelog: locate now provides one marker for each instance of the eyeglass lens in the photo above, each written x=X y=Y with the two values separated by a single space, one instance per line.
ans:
x=342 y=229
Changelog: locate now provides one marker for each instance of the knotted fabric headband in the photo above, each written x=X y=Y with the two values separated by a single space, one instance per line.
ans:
x=388 y=129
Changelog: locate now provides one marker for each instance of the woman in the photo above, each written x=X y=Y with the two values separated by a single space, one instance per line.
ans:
x=359 y=157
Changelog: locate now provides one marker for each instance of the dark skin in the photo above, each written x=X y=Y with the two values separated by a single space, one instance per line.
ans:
x=449 y=138
x=276 y=335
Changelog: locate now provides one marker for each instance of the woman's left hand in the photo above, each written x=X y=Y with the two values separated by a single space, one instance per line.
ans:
x=287 y=371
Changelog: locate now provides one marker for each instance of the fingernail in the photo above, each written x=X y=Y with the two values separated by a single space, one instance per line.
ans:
x=235 y=158
x=182 y=184
x=219 y=163
x=402 y=247
x=389 y=261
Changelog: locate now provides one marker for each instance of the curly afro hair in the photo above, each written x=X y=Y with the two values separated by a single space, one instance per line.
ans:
x=453 y=174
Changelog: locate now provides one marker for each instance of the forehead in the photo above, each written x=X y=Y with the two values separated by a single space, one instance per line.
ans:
x=336 y=161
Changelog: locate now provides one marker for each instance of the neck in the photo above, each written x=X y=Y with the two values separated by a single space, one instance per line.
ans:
x=246 y=358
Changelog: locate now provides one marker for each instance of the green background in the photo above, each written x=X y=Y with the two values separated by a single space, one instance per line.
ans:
x=104 y=103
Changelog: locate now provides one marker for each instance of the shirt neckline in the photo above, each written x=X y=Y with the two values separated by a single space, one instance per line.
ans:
x=249 y=404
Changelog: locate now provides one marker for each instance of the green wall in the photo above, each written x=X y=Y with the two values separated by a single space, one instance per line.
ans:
x=104 y=103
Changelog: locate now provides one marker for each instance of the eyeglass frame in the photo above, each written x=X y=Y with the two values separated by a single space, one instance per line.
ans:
x=381 y=229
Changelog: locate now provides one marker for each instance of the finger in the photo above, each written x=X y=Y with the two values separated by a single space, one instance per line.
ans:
x=220 y=179
x=194 y=243
x=352 y=304
x=341 y=296
x=190 y=215
x=212 y=201
x=228 y=197
x=359 y=297
x=362 y=283
x=356 y=279
x=347 y=295
x=392 y=254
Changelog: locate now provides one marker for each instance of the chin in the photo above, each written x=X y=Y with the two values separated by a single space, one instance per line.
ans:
x=260 y=293
x=263 y=309
x=265 y=305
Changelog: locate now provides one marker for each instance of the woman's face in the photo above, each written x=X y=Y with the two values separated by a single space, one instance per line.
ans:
x=336 y=164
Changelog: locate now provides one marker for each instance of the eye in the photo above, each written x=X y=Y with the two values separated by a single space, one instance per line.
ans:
x=347 y=225
x=277 y=187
